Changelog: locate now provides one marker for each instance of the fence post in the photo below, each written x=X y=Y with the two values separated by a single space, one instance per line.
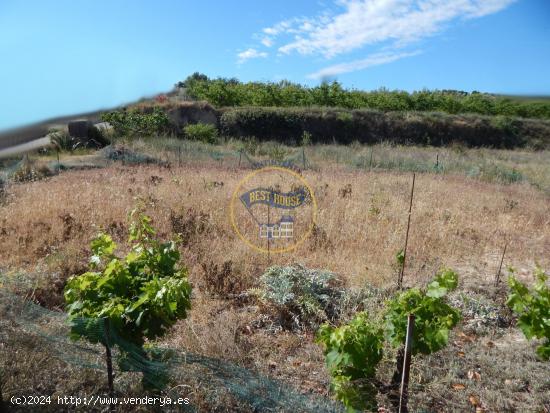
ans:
x=179 y=155
x=437 y=161
x=108 y=357
x=304 y=157
x=401 y=273
x=240 y=156
x=404 y=390
x=58 y=164
x=497 y=277
x=370 y=161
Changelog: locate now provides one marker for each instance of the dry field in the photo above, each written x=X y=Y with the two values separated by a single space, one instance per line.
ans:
x=459 y=222
x=456 y=221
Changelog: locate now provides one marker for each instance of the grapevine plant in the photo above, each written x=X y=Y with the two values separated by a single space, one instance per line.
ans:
x=353 y=350
x=140 y=295
x=533 y=309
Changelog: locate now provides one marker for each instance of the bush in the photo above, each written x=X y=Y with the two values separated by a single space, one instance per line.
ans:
x=28 y=170
x=202 y=132
x=300 y=297
x=133 y=123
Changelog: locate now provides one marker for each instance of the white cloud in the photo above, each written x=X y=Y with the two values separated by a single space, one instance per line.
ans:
x=385 y=26
x=372 y=60
x=267 y=41
x=368 y=22
x=250 y=54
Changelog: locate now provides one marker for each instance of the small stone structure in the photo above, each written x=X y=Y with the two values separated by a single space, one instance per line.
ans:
x=80 y=128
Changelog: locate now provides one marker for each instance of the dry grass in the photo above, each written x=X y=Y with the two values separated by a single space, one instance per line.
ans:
x=46 y=227
x=456 y=221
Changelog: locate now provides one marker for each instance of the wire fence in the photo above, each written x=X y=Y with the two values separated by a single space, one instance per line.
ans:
x=157 y=363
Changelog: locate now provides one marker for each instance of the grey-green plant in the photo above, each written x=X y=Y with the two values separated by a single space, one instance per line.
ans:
x=301 y=297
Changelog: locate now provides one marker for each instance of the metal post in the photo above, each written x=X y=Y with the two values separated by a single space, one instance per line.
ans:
x=304 y=157
x=401 y=273
x=404 y=390
x=58 y=165
x=108 y=357
x=437 y=161
x=497 y=277
x=240 y=156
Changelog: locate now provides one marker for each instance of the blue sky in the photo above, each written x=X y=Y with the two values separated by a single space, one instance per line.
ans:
x=63 y=57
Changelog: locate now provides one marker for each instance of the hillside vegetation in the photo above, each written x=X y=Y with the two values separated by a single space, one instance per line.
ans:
x=231 y=92
x=329 y=114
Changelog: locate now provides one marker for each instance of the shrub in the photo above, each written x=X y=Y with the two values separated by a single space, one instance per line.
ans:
x=299 y=296
x=28 y=170
x=275 y=151
x=141 y=295
x=124 y=154
x=202 y=132
x=63 y=141
x=223 y=280
x=533 y=308
x=132 y=122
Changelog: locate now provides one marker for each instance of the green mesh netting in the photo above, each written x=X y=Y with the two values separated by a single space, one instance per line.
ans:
x=259 y=392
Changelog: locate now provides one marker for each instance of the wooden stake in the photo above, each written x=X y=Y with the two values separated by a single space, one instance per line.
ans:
x=108 y=357
x=404 y=390
x=402 y=272
x=497 y=277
